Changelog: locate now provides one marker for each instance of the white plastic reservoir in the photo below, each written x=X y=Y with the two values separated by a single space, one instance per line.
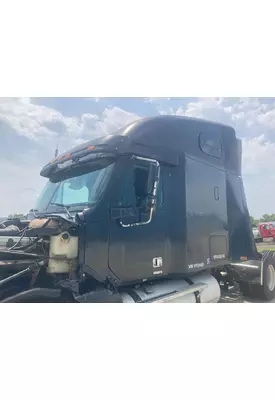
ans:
x=64 y=246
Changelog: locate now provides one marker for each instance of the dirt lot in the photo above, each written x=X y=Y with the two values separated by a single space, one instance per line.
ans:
x=237 y=297
x=268 y=245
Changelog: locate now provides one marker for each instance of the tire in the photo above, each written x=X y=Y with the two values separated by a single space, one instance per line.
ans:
x=265 y=292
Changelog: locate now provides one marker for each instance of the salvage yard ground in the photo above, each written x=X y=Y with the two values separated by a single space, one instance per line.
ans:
x=266 y=246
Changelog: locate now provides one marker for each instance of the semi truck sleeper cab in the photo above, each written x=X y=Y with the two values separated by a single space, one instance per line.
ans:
x=153 y=213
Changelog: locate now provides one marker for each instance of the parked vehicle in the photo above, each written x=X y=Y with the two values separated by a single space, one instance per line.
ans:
x=267 y=230
x=154 y=213
x=257 y=235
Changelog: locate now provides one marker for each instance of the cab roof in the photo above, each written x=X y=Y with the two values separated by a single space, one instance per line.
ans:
x=168 y=138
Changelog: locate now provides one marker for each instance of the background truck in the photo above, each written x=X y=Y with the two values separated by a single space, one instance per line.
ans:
x=154 y=213
x=264 y=232
x=267 y=230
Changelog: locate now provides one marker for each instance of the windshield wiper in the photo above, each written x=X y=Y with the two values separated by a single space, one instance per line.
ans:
x=66 y=208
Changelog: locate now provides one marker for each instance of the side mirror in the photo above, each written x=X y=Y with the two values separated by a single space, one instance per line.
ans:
x=149 y=190
x=152 y=185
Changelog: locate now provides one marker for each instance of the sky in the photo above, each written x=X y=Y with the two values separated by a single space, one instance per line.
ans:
x=31 y=129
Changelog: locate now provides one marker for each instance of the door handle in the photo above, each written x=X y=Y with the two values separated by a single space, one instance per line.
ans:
x=216 y=193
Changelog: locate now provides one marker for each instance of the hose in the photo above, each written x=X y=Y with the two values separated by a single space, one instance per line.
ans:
x=24 y=272
x=15 y=276
x=35 y=295
x=29 y=245
x=20 y=239
x=4 y=226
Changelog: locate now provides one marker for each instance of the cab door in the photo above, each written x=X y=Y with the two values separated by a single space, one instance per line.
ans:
x=137 y=252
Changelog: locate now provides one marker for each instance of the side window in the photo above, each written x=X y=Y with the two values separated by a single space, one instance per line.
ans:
x=132 y=188
x=126 y=193
x=210 y=144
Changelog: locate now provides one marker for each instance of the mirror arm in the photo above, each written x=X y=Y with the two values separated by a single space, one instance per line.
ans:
x=139 y=223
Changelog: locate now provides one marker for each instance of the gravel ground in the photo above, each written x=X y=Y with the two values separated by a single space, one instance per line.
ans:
x=237 y=297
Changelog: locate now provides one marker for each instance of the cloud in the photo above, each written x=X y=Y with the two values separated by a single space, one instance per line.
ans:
x=34 y=124
x=30 y=132
x=111 y=120
x=36 y=121
x=249 y=116
x=258 y=157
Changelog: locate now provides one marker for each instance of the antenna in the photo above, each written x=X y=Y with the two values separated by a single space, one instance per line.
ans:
x=56 y=152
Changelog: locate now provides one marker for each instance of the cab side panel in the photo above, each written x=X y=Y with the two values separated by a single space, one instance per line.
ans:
x=241 y=238
x=206 y=216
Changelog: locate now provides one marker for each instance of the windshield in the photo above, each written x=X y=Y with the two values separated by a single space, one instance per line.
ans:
x=75 y=192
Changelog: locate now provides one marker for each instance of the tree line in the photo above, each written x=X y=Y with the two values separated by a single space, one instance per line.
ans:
x=16 y=216
x=265 y=218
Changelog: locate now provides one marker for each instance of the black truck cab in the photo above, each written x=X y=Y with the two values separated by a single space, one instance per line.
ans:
x=155 y=212
x=161 y=197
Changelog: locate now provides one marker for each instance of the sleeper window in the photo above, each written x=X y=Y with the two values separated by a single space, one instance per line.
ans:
x=210 y=144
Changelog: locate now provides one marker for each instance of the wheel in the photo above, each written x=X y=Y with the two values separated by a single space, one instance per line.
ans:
x=265 y=292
